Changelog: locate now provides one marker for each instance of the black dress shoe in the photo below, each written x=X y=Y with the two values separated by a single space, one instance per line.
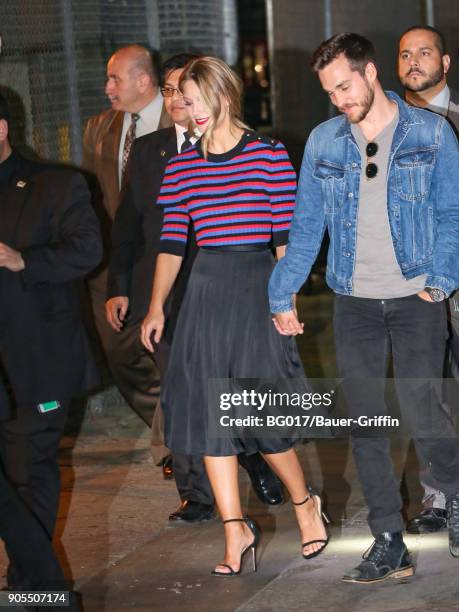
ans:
x=168 y=468
x=267 y=485
x=452 y=509
x=388 y=557
x=193 y=512
x=429 y=520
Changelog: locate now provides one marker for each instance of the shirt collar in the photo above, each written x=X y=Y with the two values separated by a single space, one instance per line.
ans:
x=180 y=129
x=152 y=110
x=440 y=103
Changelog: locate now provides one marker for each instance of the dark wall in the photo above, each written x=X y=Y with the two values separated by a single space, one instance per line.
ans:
x=447 y=20
x=298 y=27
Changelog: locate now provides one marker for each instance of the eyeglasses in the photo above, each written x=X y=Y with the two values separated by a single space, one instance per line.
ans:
x=372 y=169
x=168 y=92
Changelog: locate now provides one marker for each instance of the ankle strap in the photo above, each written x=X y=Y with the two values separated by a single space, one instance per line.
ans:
x=302 y=502
x=236 y=520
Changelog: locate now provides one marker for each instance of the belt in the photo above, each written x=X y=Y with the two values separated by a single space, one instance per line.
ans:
x=236 y=248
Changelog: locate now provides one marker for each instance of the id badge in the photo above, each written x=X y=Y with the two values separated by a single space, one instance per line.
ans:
x=48 y=407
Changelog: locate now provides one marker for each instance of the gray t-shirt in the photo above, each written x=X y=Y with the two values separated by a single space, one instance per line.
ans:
x=377 y=273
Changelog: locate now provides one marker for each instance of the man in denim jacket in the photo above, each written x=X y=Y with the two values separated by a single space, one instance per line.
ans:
x=380 y=179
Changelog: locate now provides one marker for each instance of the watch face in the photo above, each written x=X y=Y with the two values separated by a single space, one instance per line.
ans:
x=436 y=294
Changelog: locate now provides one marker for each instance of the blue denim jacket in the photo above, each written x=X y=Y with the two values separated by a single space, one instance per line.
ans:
x=422 y=202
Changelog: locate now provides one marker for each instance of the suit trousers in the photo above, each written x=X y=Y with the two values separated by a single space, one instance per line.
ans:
x=414 y=332
x=433 y=497
x=135 y=372
x=30 y=443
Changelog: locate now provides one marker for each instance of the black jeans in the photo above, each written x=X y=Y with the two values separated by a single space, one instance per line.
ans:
x=367 y=331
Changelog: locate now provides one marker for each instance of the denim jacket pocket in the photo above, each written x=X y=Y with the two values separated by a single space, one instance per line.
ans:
x=331 y=176
x=413 y=173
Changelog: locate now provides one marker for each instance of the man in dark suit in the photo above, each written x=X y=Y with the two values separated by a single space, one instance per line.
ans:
x=135 y=244
x=423 y=63
x=136 y=109
x=49 y=239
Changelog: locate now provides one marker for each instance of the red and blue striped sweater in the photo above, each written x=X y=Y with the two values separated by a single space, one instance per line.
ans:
x=243 y=196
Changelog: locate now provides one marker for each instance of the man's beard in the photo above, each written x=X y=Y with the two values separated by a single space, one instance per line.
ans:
x=366 y=105
x=432 y=80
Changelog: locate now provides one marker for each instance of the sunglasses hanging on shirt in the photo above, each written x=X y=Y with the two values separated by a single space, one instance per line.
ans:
x=372 y=169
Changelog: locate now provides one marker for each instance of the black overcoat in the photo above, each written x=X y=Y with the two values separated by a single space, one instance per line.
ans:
x=46 y=214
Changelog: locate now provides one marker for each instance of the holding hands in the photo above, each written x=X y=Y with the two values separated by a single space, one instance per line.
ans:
x=287 y=323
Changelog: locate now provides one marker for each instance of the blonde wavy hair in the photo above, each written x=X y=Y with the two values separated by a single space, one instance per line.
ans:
x=216 y=82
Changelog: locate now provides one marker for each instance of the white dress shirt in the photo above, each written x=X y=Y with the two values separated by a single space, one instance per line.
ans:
x=147 y=122
x=180 y=131
x=440 y=103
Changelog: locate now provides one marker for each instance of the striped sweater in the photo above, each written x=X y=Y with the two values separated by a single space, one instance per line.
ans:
x=243 y=196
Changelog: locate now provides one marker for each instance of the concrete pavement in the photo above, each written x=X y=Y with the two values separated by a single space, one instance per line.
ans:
x=115 y=541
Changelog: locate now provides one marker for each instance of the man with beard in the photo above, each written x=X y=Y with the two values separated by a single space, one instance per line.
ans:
x=423 y=63
x=379 y=179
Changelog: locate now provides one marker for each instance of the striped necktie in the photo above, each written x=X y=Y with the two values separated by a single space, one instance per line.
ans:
x=130 y=137
x=186 y=144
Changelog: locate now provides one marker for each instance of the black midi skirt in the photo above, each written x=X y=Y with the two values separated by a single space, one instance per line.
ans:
x=224 y=330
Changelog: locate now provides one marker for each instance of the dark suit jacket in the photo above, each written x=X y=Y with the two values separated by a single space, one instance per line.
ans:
x=453 y=109
x=47 y=216
x=137 y=227
x=5 y=403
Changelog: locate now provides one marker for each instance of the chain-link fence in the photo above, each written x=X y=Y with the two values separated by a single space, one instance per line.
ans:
x=54 y=54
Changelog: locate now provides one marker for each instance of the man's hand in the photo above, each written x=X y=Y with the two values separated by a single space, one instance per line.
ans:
x=287 y=323
x=10 y=259
x=425 y=296
x=115 y=311
x=152 y=324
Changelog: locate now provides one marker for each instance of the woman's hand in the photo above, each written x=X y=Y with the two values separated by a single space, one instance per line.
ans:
x=167 y=268
x=152 y=328
x=287 y=323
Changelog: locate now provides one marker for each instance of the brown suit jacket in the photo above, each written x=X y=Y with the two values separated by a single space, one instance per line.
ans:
x=101 y=142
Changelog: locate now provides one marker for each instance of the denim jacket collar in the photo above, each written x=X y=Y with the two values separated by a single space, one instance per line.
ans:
x=407 y=116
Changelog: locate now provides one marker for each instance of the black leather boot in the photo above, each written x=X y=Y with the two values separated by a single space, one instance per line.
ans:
x=387 y=557
x=430 y=520
x=267 y=485
x=452 y=509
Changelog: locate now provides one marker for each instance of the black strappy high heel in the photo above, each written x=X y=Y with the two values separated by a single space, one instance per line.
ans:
x=325 y=518
x=253 y=547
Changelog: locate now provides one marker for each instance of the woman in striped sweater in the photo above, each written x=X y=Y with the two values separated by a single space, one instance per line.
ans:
x=237 y=189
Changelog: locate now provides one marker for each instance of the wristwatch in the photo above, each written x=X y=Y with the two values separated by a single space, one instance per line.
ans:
x=436 y=294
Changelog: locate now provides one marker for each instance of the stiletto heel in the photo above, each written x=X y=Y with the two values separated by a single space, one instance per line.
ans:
x=324 y=518
x=254 y=557
x=253 y=547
